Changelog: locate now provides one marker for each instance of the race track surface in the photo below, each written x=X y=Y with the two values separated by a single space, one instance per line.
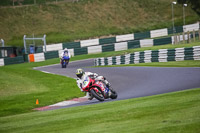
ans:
x=132 y=82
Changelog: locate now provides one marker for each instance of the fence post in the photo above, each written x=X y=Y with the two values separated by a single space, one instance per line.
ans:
x=188 y=34
x=24 y=39
x=184 y=37
x=175 y=40
x=193 y=35
x=179 y=38
x=2 y=41
x=44 y=40
x=199 y=34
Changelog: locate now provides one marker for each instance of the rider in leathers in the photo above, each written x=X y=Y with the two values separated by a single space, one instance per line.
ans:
x=81 y=76
x=64 y=54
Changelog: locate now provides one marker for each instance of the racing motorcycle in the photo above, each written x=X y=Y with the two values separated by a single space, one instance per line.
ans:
x=64 y=61
x=98 y=89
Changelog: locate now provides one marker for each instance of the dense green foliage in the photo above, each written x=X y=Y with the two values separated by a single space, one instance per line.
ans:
x=195 y=4
x=65 y=22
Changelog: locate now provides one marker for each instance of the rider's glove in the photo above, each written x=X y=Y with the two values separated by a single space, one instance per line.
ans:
x=108 y=84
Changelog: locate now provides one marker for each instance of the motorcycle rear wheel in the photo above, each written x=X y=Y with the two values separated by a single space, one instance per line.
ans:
x=98 y=95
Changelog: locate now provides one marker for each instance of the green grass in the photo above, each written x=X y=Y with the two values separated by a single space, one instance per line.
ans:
x=176 y=112
x=66 y=22
x=20 y=85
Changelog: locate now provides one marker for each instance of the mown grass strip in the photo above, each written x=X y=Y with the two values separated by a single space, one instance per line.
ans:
x=20 y=86
x=172 y=112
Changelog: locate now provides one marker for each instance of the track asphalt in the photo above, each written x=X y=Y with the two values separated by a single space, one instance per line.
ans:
x=132 y=82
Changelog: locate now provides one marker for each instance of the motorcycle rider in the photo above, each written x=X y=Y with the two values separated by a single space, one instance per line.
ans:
x=65 y=55
x=81 y=76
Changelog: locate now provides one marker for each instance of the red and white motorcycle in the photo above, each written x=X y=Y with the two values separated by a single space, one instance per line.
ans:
x=98 y=89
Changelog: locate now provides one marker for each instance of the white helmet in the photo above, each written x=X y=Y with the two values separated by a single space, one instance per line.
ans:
x=79 y=73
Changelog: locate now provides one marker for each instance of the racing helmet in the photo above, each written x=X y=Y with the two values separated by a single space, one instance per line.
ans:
x=65 y=50
x=79 y=72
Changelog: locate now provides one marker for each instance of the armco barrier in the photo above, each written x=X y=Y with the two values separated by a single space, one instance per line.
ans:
x=14 y=60
x=120 y=38
x=142 y=35
x=134 y=36
x=51 y=54
x=80 y=51
x=162 y=41
x=53 y=47
x=161 y=55
x=158 y=33
x=86 y=43
x=107 y=48
x=1 y=62
x=191 y=27
x=71 y=45
x=37 y=57
x=107 y=40
x=129 y=41
x=122 y=46
x=133 y=44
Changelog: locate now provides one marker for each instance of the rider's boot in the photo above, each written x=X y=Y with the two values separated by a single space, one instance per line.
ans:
x=107 y=83
x=108 y=86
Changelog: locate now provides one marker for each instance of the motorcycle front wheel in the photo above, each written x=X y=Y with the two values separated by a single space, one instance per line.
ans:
x=98 y=95
x=64 y=65
x=113 y=94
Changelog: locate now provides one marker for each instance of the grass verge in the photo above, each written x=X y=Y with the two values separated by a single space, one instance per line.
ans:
x=167 y=113
x=20 y=86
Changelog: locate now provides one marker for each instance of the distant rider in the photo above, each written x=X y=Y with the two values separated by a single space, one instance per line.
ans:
x=81 y=76
x=65 y=55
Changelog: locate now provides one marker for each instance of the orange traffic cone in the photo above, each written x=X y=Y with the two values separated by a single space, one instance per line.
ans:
x=37 y=102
